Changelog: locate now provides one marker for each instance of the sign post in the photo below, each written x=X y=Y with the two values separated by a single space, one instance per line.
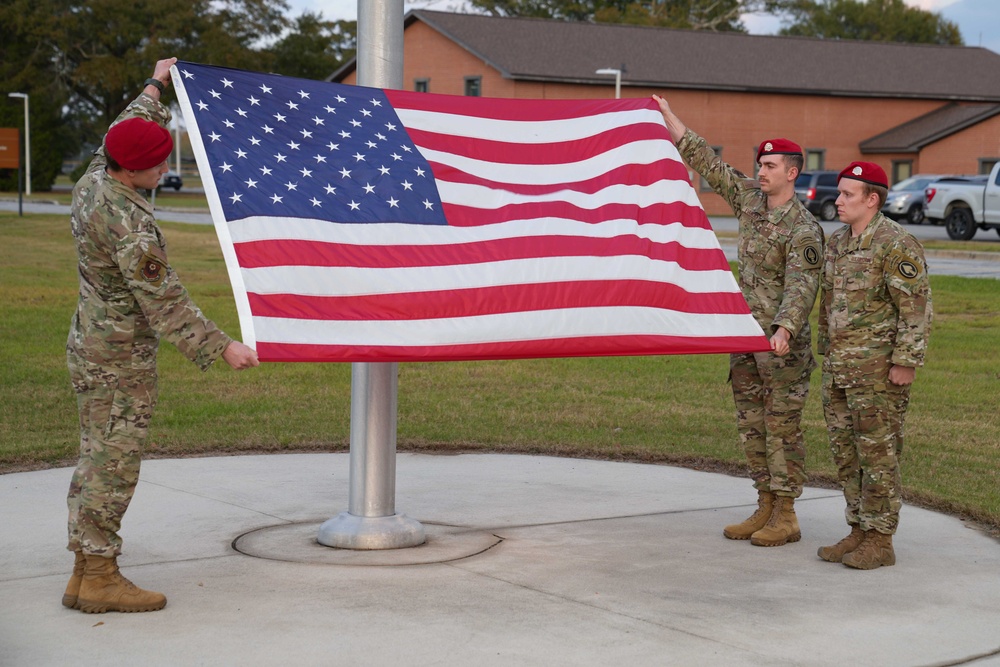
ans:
x=10 y=158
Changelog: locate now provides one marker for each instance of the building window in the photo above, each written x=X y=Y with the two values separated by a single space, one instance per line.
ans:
x=901 y=170
x=815 y=159
x=986 y=164
x=422 y=85
x=704 y=186
x=473 y=86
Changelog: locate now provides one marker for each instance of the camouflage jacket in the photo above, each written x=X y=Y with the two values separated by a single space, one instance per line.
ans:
x=129 y=295
x=779 y=251
x=875 y=307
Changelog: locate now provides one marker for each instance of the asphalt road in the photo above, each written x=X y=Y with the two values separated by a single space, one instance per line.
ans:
x=952 y=263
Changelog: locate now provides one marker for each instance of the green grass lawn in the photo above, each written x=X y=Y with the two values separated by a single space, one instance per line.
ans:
x=673 y=409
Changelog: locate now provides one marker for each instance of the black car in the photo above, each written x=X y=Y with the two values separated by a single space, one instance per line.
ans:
x=818 y=191
x=171 y=179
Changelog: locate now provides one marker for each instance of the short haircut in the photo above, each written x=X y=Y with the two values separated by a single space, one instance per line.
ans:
x=795 y=160
x=882 y=193
x=113 y=165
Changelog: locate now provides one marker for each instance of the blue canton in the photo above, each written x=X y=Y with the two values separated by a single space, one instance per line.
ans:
x=287 y=147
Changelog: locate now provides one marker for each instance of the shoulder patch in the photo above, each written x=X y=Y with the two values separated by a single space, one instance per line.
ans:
x=906 y=267
x=151 y=269
x=811 y=249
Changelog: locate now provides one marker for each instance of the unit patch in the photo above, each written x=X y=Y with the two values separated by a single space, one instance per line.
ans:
x=907 y=270
x=151 y=270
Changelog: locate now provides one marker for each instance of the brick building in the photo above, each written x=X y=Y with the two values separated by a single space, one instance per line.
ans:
x=911 y=108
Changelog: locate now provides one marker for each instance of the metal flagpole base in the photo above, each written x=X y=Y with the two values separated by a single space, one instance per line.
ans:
x=347 y=531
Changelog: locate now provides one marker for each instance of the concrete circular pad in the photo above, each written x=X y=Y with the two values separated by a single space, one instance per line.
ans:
x=296 y=542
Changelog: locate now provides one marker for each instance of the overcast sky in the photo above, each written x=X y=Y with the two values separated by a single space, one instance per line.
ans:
x=979 y=20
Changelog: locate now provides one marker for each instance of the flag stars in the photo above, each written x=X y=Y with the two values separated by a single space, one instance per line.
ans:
x=354 y=205
x=315 y=202
x=329 y=109
x=275 y=199
x=241 y=112
x=215 y=94
x=396 y=156
x=228 y=123
x=266 y=171
x=356 y=123
x=406 y=148
x=279 y=157
x=294 y=146
x=240 y=153
x=407 y=185
x=292 y=106
x=390 y=126
x=376 y=103
x=201 y=105
x=333 y=147
x=380 y=136
x=250 y=183
x=306 y=173
x=369 y=189
x=345 y=134
x=291 y=186
x=306 y=134
x=279 y=117
x=371 y=144
x=318 y=120
x=341 y=99
x=225 y=167
x=236 y=198
x=264 y=89
x=420 y=172
x=303 y=94
x=215 y=137
x=366 y=112
x=255 y=141
x=384 y=170
x=392 y=202
x=187 y=74
x=344 y=173
x=254 y=102
x=330 y=190
x=428 y=205
x=319 y=158
x=358 y=157
x=227 y=83
x=268 y=129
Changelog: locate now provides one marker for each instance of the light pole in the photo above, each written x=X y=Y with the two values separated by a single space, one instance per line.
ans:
x=27 y=142
x=618 y=79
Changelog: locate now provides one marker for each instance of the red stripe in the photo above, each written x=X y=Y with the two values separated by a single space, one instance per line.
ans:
x=514 y=109
x=469 y=216
x=289 y=252
x=629 y=174
x=560 y=152
x=496 y=300
x=590 y=346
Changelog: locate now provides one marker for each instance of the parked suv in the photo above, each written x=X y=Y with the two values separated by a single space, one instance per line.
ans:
x=171 y=179
x=906 y=198
x=818 y=191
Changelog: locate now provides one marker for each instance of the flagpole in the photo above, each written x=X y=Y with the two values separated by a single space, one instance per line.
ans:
x=371 y=521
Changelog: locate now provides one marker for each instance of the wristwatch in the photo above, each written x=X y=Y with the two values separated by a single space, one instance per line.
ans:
x=156 y=83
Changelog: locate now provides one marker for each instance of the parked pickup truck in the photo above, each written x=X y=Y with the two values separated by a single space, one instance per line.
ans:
x=965 y=203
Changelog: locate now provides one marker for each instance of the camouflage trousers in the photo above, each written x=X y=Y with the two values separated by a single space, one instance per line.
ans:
x=866 y=439
x=770 y=392
x=115 y=407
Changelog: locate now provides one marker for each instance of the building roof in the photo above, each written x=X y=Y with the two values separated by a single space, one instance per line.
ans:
x=565 y=51
x=913 y=135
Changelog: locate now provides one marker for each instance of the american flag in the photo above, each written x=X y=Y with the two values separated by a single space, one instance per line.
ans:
x=361 y=224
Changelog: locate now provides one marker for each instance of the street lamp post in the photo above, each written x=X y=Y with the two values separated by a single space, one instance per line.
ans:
x=27 y=142
x=618 y=79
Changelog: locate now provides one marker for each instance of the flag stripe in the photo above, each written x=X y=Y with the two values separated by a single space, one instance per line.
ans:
x=495 y=300
x=259 y=254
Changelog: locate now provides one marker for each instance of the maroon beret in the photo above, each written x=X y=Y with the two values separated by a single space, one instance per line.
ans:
x=867 y=172
x=778 y=147
x=138 y=144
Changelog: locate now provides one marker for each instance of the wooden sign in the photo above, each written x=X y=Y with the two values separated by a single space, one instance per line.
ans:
x=10 y=148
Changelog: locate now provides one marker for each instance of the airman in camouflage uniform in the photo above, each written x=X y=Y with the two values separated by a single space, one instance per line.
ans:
x=780 y=257
x=129 y=298
x=874 y=324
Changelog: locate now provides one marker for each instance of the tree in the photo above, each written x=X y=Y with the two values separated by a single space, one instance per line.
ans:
x=314 y=48
x=87 y=59
x=875 y=20
x=694 y=14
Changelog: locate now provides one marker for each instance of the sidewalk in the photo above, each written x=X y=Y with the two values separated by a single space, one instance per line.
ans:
x=529 y=561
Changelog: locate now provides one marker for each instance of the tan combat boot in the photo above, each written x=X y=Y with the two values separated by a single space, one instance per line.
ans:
x=874 y=551
x=743 y=531
x=781 y=528
x=105 y=589
x=73 y=587
x=836 y=552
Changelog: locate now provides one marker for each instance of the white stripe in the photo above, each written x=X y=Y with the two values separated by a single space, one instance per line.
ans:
x=392 y=234
x=506 y=327
x=638 y=153
x=524 y=131
x=481 y=197
x=353 y=281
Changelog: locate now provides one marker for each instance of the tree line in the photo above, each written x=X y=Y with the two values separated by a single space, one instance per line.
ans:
x=82 y=62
